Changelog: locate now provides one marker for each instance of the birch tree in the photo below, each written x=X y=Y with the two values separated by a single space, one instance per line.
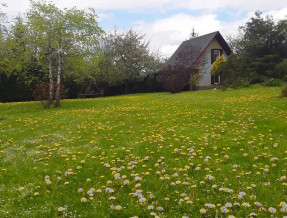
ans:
x=42 y=20
x=63 y=34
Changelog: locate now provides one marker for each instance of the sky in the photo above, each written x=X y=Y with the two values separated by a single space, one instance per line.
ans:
x=166 y=23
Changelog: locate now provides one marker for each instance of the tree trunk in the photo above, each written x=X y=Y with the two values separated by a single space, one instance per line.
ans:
x=58 y=88
x=50 y=78
x=126 y=87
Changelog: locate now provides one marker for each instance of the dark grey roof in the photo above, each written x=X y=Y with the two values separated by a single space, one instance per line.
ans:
x=189 y=50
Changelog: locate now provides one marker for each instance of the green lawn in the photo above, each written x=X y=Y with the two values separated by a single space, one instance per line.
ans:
x=168 y=155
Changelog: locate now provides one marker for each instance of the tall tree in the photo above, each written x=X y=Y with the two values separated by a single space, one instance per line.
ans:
x=77 y=33
x=42 y=20
x=128 y=58
x=2 y=38
x=259 y=35
x=63 y=35
x=19 y=59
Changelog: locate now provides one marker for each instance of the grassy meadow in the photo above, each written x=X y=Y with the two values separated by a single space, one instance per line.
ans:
x=206 y=153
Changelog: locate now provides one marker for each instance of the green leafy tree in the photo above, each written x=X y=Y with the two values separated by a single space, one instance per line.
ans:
x=20 y=60
x=281 y=70
x=63 y=37
x=42 y=21
x=127 y=58
x=3 y=49
x=263 y=41
x=259 y=35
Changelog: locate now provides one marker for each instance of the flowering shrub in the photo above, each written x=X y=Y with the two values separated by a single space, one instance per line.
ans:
x=218 y=65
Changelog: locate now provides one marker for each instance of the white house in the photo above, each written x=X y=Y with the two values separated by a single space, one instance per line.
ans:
x=199 y=54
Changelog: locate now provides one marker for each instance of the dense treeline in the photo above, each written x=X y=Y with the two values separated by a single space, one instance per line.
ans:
x=54 y=46
x=260 y=53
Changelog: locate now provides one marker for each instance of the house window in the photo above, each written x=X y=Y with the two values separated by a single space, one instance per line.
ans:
x=215 y=79
x=215 y=53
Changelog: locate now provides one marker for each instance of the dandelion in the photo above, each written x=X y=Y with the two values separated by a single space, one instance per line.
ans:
x=91 y=192
x=126 y=182
x=258 y=204
x=202 y=211
x=224 y=210
x=84 y=200
x=209 y=205
x=142 y=200
x=137 y=178
x=284 y=209
x=241 y=195
x=118 y=207
x=107 y=165
x=80 y=190
x=21 y=189
x=98 y=191
x=36 y=193
x=117 y=176
x=272 y=210
x=245 y=204
x=47 y=180
x=209 y=177
x=150 y=207
x=109 y=190
x=151 y=195
x=61 y=209
x=229 y=205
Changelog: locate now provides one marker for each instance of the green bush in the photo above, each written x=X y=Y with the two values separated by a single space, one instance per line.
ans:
x=274 y=82
x=281 y=69
x=284 y=90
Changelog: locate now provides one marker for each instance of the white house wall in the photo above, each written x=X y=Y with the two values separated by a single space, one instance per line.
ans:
x=205 y=64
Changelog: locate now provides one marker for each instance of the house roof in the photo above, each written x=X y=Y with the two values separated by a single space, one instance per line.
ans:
x=189 y=50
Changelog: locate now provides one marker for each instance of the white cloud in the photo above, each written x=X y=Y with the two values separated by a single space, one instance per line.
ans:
x=142 y=5
x=167 y=34
x=158 y=5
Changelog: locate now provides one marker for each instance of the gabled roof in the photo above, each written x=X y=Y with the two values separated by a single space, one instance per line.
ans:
x=189 y=50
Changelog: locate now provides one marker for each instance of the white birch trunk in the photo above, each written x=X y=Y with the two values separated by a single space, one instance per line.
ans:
x=50 y=79
x=59 y=74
